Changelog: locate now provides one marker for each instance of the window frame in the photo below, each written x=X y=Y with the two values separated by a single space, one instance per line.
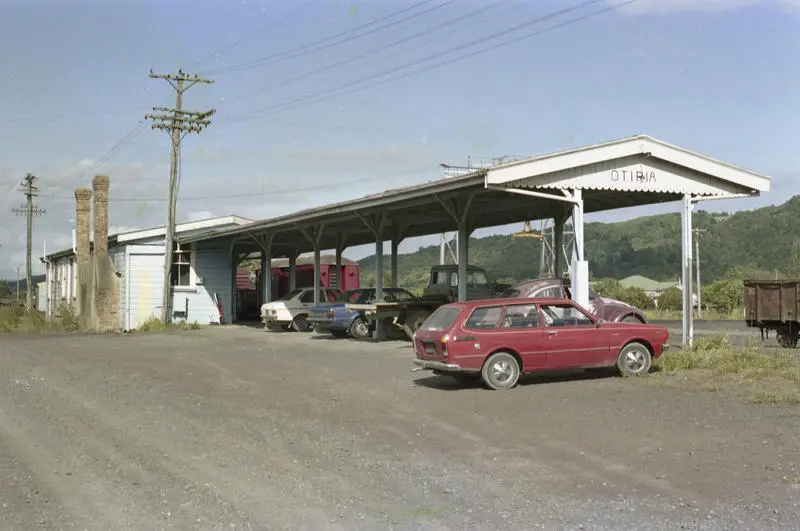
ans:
x=542 y=314
x=539 y=323
x=189 y=253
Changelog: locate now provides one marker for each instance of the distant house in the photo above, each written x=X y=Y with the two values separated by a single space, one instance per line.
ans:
x=653 y=288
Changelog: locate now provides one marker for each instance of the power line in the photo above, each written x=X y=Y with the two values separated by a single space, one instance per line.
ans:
x=394 y=43
x=248 y=36
x=302 y=50
x=242 y=195
x=30 y=190
x=328 y=94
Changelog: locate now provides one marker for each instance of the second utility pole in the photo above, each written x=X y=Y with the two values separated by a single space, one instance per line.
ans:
x=28 y=210
x=178 y=123
x=697 y=233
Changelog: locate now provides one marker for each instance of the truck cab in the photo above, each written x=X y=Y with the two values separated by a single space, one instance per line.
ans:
x=444 y=282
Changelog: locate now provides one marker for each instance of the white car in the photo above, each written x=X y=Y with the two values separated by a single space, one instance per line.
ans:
x=291 y=311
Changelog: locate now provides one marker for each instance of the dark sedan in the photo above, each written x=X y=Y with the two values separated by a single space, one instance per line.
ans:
x=337 y=321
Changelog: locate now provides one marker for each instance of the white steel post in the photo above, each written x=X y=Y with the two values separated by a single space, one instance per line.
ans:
x=686 y=262
x=580 y=267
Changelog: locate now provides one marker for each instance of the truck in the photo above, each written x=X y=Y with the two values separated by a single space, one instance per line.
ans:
x=774 y=305
x=442 y=288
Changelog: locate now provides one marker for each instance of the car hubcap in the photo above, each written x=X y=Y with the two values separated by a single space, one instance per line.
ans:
x=502 y=371
x=635 y=360
x=361 y=328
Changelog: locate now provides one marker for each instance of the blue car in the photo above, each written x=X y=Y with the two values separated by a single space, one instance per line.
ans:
x=334 y=319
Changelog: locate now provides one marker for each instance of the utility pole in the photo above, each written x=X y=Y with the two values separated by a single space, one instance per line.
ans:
x=178 y=123
x=28 y=210
x=697 y=233
x=18 y=283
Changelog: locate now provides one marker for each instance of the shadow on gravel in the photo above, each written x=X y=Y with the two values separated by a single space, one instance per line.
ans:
x=447 y=383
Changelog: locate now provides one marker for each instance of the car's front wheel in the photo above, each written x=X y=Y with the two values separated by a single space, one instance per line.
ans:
x=501 y=371
x=634 y=360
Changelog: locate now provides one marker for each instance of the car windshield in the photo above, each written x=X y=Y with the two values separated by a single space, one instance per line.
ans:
x=291 y=295
x=441 y=319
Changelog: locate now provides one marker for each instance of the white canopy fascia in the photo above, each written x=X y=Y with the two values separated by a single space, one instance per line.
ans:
x=636 y=164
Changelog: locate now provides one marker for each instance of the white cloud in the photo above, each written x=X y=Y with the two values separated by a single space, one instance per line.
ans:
x=706 y=6
x=86 y=162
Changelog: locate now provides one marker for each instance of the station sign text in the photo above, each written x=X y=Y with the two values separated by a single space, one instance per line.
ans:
x=631 y=176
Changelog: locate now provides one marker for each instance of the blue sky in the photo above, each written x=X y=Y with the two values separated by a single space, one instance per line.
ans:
x=718 y=77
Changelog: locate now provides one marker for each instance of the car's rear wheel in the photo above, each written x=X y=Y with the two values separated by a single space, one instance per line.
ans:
x=501 y=371
x=359 y=329
x=634 y=360
x=300 y=323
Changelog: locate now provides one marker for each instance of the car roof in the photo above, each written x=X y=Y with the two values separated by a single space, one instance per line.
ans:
x=509 y=300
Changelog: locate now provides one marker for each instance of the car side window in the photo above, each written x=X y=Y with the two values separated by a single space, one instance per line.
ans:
x=521 y=316
x=551 y=293
x=564 y=315
x=332 y=294
x=307 y=297
x=485 y=318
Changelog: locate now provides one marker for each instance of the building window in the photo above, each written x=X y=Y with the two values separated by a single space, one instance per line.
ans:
x=181 y=274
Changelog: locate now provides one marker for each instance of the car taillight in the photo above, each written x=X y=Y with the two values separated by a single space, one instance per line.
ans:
x=330 y=315
x=444 y=345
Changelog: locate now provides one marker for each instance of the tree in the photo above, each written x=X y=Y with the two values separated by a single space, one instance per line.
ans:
x=724 y=295
x=794 y=262
x=638 y=298
x=671 y=299
x=612 y=289
x=5 y=292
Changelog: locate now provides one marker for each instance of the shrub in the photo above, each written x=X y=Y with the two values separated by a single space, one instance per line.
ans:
x=611 y=288
x=671 y=299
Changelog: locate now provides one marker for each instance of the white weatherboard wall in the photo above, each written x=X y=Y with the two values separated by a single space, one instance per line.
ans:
x=212 y=274
x=144 y=276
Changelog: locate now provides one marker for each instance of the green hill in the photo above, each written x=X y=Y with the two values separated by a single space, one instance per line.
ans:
x=764 y=239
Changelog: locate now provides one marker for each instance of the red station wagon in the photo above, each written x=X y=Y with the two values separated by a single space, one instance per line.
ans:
x=500 y=339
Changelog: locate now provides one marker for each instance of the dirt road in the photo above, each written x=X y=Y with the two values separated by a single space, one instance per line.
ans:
x=236 y=428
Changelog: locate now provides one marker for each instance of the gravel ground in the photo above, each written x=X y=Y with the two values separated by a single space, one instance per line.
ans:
x=236 y=428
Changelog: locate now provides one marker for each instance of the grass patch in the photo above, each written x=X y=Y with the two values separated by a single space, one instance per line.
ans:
x=19 y=320
x=677 y=315
x=775 y=376
x=153 y=324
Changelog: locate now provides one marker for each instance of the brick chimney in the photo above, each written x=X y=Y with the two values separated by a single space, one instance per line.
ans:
x=83 y=197
x=83 y=293
x=100 y=185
